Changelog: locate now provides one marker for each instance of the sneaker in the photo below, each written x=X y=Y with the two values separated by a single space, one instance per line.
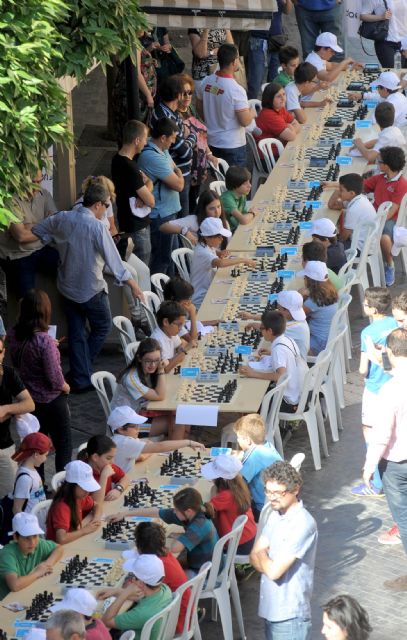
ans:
x=364 y=491
x=389 y=275
x=392 y=536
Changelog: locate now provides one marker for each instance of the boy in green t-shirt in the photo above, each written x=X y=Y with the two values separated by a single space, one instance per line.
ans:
x=234 y=200
x=289 y=60
x=28 y=557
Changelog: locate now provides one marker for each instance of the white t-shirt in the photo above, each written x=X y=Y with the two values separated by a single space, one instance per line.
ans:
x=390 y=137
x=316 y=60
x=222 y=97
x=293 y=96
x=202 y=272
x=399 y=102
x=299 y=332
x=29 y=486
x=168 y=343
x=358 y=212
x=191 y=222
x=130 y=392
x=128 y=451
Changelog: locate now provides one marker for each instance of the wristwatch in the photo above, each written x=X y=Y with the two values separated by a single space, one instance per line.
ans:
x=119 y=487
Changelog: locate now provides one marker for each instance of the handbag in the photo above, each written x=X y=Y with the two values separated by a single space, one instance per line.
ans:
x=169 y=63
x=377 y=31
x=274 y=43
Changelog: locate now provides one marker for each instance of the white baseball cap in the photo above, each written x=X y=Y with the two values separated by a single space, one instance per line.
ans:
x=315 y=270
x=147 y=567
x=214 y=227
x=223 y=466
x=387 y=79
x=80 y=473
x=26 y=423
x=35 y=634
x=399 y=240
x=292 y=301
x=77 y=599
x=322 y=227
x=124 y=415
x=403 y=43
x=330 y=40
x=26 y=524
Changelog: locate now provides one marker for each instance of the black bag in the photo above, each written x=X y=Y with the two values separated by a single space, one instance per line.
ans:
x=6 y=512
x=275 y=43
x=377 y=31
x=169 y=63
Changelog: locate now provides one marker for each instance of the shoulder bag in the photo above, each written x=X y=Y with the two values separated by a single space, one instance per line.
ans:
x=377 y=31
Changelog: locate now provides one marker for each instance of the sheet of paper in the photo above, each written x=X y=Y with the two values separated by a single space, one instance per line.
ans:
x=52 y=331
x=201 y=415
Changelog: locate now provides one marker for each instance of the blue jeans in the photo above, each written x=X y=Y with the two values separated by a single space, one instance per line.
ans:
x=274 y=64
x=394 y=478
x=312 y=23
x=294 y=629
x=84 y=346
x=162 y=244
x=184 y=197
x=234 y=157
x=388 y=229
x=21 y=273
x=142 y=244
x=257 y=65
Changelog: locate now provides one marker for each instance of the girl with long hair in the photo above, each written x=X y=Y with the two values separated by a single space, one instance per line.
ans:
x=320 y=303
x=99 y=454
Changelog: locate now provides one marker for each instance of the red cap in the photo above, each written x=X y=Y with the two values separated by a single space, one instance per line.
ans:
x=32 y=443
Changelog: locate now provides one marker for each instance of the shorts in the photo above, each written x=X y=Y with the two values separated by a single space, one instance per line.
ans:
x=155 y=414
x=370 y=407
x=388 y=228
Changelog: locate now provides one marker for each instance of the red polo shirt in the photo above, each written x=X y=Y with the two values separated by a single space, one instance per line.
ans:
x=59 y=515
x=115 y=478
x=386 y=190
x=226 y=513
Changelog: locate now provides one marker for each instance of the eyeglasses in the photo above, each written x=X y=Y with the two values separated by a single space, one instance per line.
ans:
x=187 y=93
x=151 y=361
x=380 y=161
x=279 y=493
x=106 y=204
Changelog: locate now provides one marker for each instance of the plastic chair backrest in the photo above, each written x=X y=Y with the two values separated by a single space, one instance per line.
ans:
x=181 y=258
x=297 y=460
x=99 y=380
x=41 y=511
x=402 y=213
x=82 y=446
x=185 y=242
x=218 y=186
x=166 y=629
x=130 y=351
x=344 y=301
x=348 y=281
x=255 y=152
x=220 y=170
x=313 y=380
x=270 y=406
x=158 y=280
x=151 y=305
x=364 y=254
x=266 y=147
x=345 y=268
x=219 y=576
x=254 y=103
x=57 y=479
x=128 y=635
x=125 y=330
x=195 y=585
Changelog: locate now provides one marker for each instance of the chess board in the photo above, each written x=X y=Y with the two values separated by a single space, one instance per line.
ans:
x=119 y=535
x=229 y=339
x=262 y=236
x=179 y=466
x=98 y=572
x=206 y=393
x=142 y=495
x=329 y=172
x=40 y=607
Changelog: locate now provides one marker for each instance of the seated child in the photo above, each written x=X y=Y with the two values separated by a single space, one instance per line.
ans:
x=289 y=60
x=305 y=81
x=171 y=317
x=386 y=88
x=179 y=290
x=73 y=512
x=399 y=309
x=99 y=455
x=125 y=423
x=148 y=593
x=326 y=45
x=274 y=121
x=234 y=199
x=83 y=602
x=389 y=136
x=320 y=303
x=257 y=455
x=325 y=231
x=230 y=499
x=199 y=537
x=316 y=250
x=207 y=257
x=28 y=557
x=285 y=357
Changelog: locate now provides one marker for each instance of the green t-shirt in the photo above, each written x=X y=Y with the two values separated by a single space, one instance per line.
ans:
x=136 y=617
x=12 y=560
x=283 y=78
x=335 y=279
x=230 y=202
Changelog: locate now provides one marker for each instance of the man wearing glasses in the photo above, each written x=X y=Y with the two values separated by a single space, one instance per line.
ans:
x=284 y=554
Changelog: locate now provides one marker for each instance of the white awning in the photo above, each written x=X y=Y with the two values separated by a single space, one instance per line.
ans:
x=200 y=14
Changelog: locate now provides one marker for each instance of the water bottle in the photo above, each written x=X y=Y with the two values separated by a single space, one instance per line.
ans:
x=397 y=61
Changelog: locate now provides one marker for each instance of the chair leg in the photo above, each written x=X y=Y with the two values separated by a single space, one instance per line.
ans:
x=237 y=605
x=278 y=442
x=321 y=430
x=312 y=428
x=225 y=611
x=214 y=610
x=329 y=396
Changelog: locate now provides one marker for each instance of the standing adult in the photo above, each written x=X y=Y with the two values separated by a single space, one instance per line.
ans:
x=181 y=150
x=223 y=105
x=168 y=181
x=388 y=442
x=315 y=17
x=134 y=192
x=85 y=246
x=205 y=45
x=36 y=356
x=376 y=11
x=284 y=554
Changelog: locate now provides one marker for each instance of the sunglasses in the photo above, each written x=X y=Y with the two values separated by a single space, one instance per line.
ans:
x=187 y=93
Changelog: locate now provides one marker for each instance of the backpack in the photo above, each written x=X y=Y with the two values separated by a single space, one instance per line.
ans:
x=6 y=511
x=199 y=161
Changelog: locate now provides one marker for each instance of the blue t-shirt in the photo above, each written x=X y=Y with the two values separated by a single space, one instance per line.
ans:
x=199 y=538
x=158 y=165
x=319 y=321
x=378 y=332
x=317 y=5
x=255 y=459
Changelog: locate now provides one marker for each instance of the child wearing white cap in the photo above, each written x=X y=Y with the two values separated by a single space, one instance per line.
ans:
x=99 y=453
x=125 y=423
x=83 y=602
x=231 y=499
x=316 y=250
x=387 y=88
x=326 y=232
x=326 y=45
x=148 y=592
x=28 y=557
x=208 y=257
x=72 y=504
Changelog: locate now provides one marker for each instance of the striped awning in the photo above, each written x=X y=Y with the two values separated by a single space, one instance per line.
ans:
x=200 y=14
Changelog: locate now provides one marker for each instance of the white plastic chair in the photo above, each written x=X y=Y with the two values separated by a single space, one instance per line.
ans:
x=266 y=147
x=258 y=172
x=82 y=447
x=57 y=479
x=402 y=222
x=263 y=86
x=254 y=103
x=221 y=584
x=191 y=624
x=185 y=242
x=218 y=186
x=100 y=379
x=151 y=305
x=220 y=170
x=361 y=278
x=128 y=635
x=130 y=351
x=41 y=511
x=158 y=281
x=125 y=330
x=350 y=259
x=181 y=258
x=375 y=257
x=297 y=460
x=168 y=621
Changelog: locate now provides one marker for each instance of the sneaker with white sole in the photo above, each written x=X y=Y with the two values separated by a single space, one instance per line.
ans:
x=367 y=491
x=392 y=536
x=389 y=275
